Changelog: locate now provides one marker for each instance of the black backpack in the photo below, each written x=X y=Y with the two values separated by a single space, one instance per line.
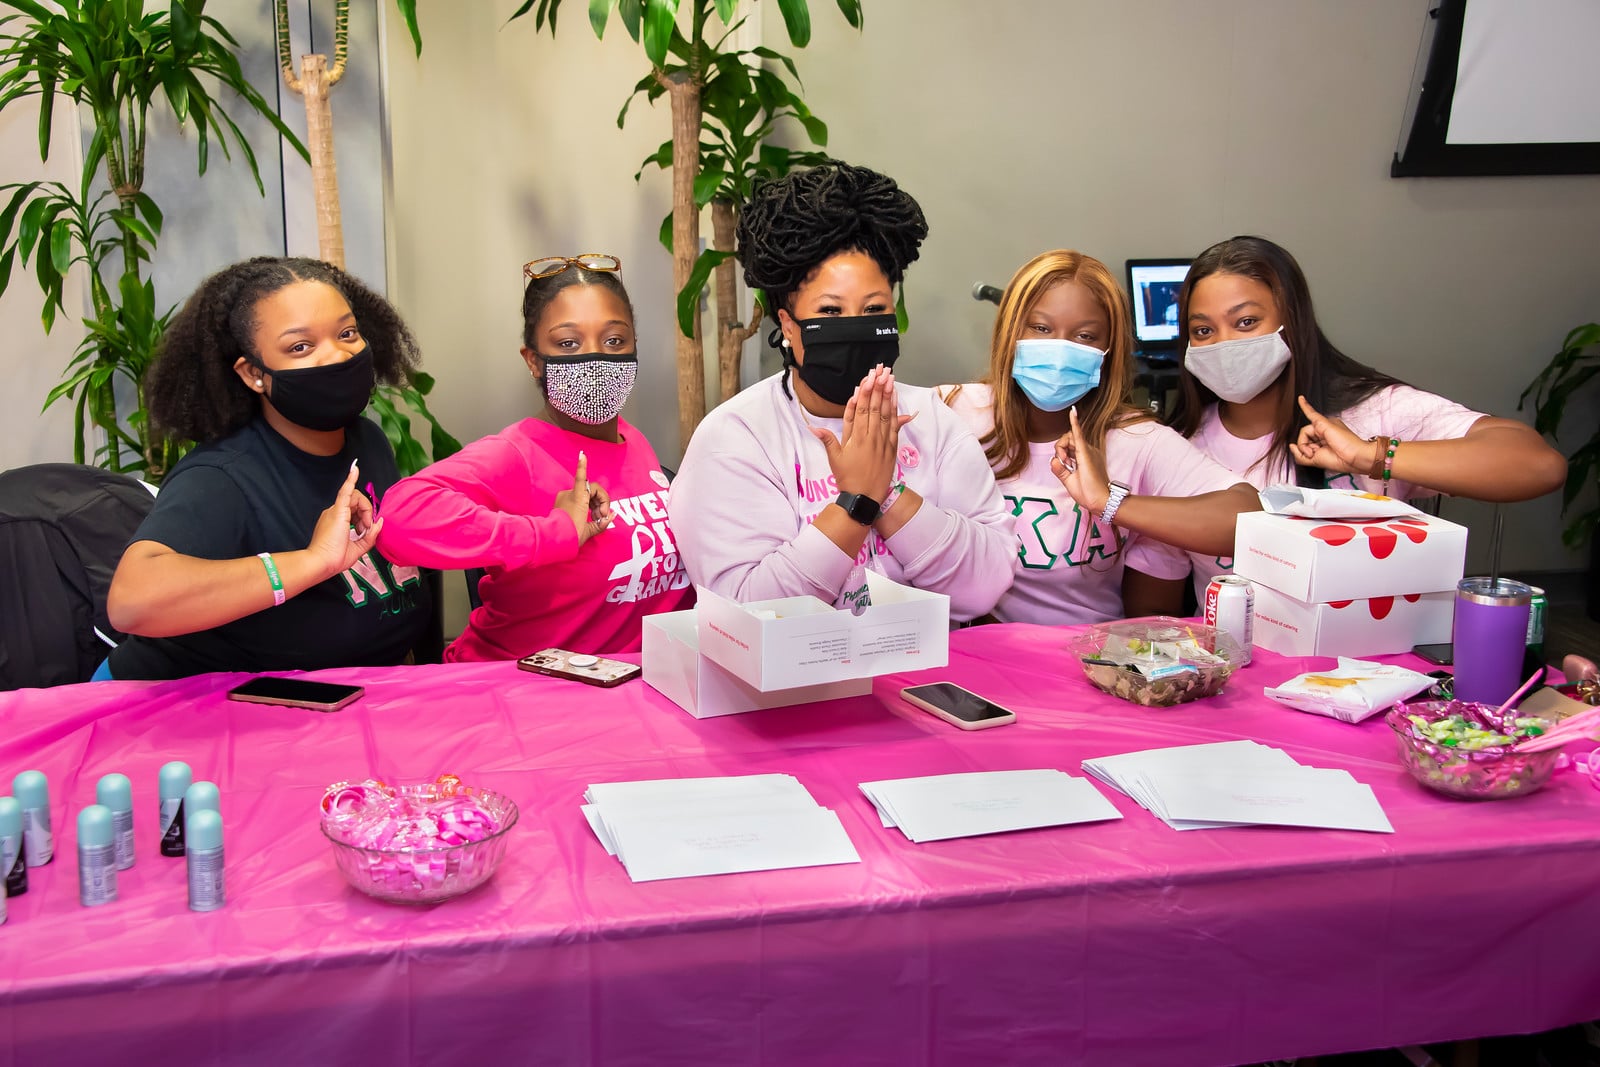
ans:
x=62 y=530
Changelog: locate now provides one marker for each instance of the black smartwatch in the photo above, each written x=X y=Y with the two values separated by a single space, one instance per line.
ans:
x=862 y=509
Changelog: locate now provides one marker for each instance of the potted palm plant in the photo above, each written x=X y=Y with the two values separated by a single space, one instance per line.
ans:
x=1568 y=372
x=115 y=59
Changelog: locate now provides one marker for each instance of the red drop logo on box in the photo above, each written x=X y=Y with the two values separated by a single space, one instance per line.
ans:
x=1381 y=533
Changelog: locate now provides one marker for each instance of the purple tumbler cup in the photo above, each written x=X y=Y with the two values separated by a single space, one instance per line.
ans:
x=1491 y=635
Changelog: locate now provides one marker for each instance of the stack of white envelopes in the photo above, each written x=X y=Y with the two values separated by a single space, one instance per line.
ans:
x=943 y=806
x=1240 y=783
x=683 y=827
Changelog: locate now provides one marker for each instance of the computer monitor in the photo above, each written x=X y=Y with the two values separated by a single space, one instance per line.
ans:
x=1153 y=285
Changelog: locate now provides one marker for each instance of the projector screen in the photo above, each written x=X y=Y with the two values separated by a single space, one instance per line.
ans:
x=1504 y=87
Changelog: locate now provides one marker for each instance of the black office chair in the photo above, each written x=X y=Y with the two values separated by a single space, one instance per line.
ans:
x=62 y=531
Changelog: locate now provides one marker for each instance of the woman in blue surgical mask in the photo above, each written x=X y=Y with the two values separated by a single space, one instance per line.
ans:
x=1103 y=498
x=1266 y=394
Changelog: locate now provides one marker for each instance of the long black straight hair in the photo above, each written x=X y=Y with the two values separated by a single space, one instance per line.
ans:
x=1330 y=380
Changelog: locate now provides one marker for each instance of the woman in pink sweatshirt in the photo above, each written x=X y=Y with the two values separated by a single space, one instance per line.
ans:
x=804 y=481
x=567 y=511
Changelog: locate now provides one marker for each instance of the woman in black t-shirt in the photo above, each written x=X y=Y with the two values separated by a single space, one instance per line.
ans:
x=259 y=554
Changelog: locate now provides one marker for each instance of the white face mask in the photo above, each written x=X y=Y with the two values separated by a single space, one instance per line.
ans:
x=1239 y=369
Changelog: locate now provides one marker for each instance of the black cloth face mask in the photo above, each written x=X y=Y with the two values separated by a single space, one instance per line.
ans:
x=840 y=350
x=329 y=397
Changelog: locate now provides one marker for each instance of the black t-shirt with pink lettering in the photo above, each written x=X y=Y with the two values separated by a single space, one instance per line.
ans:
x=254 y=492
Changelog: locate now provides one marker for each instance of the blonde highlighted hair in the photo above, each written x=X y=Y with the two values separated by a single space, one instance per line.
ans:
x=1108 y=404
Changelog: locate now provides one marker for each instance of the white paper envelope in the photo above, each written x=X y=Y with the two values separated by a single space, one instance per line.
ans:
x=941 y=807
x=658 y=848
x=1329 y=799
x=731 y=791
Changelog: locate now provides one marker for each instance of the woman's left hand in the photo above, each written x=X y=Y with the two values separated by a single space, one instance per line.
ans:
x=1327 y=442
x=1081 y=468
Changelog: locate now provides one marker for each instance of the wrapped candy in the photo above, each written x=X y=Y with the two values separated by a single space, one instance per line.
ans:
x=416 y=843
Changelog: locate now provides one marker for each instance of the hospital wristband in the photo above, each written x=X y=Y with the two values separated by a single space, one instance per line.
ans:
x=274 y=577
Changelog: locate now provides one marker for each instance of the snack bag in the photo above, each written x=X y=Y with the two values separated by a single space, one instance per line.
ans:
x=1356 y=690
x=1332 y=503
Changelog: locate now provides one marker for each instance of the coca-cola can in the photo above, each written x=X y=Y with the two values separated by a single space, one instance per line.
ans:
x=1231 y=607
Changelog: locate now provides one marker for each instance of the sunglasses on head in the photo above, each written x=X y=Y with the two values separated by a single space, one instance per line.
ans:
x=549 y=266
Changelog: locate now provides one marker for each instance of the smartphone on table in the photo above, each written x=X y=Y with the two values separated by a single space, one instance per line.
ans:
x=296 y=693
x=1442 y=655
x=591 y=670
x=958 y=707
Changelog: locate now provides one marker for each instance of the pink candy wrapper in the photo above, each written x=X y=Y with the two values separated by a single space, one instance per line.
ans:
x=416 y=843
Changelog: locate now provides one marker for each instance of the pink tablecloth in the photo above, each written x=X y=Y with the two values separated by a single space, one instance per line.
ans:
x=1116 y=943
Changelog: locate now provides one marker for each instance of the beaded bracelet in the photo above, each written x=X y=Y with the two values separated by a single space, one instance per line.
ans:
x=273 y=577
x=1387 y=461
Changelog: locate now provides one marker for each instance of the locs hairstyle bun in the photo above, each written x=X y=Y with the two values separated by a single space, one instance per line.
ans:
x=790 y=225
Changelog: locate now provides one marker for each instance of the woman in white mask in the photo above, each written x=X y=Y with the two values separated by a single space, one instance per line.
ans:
x=1099 y=491
x=1265 y=393
x=566 y=511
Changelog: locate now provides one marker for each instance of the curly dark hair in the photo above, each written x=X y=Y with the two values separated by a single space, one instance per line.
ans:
x=192 y=391
x=790 y=225
x=540 y=291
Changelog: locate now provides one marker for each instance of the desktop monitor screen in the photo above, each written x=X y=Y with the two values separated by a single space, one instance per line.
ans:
x=1153 y=284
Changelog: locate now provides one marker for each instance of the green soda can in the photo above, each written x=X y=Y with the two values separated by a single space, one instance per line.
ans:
x=1536 y=612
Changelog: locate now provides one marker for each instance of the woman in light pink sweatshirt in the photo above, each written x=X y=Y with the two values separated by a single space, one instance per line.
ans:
x=806 y=480
x=566 y=511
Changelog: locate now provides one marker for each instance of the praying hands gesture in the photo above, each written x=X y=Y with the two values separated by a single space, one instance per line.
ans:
x=1328 y=443
x=1081 y=468
x=587 y=503
x=863 y=462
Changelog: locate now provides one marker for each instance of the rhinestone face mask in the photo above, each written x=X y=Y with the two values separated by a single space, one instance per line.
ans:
x=590 y=388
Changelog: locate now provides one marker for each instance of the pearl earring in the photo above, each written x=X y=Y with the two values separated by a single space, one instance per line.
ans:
x=259 y=383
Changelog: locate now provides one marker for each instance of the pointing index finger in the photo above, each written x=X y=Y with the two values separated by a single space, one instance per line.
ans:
x=580 y=475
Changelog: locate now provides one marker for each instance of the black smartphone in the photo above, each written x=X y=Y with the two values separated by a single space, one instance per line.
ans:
x=591 y=670
x=1443 y=654
x=296 y=693
x=957 y=706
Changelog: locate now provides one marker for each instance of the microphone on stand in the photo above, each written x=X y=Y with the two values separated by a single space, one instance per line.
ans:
x=980 y=291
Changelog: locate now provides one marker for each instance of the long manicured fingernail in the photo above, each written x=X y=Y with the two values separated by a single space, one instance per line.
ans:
x=354 y=463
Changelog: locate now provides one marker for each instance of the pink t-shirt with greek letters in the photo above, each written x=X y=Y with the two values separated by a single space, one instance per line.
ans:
x=489 y=506
x=1071 y=566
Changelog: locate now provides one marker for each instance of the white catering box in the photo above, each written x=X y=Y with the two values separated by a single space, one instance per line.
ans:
x=1374 y=626
x=800 y=641
x=1316 y=561
x=674 y=666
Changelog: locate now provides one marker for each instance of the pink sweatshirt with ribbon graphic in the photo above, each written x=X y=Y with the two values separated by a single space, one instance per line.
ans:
x=489 y=506
x=754 y=479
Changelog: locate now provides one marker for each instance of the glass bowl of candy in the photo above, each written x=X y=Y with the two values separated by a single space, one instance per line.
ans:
x=1157 y=662
x=1469 y=750
x=416 y=844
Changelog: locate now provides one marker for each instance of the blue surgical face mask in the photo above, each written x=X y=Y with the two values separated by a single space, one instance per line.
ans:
x=1055 y=373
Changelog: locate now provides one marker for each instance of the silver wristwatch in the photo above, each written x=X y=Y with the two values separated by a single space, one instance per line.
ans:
x=1119 y=493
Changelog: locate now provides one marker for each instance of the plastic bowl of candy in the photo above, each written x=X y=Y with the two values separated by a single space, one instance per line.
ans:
x=416 y=844
x=1468 y=750
x=1157 y=662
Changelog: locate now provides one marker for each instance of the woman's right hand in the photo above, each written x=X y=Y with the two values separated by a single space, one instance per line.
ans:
x=588 y=505
x=346 y=531
x=863 y=462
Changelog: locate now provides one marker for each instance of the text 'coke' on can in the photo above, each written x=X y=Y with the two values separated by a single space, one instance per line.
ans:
x=1230 y=606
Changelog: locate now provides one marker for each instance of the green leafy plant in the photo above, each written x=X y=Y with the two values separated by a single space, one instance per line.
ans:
x=115 y=59
x=1568 y=372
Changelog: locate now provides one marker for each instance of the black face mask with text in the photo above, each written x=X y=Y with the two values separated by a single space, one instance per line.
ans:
x=328 y=397
x=840 y=350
